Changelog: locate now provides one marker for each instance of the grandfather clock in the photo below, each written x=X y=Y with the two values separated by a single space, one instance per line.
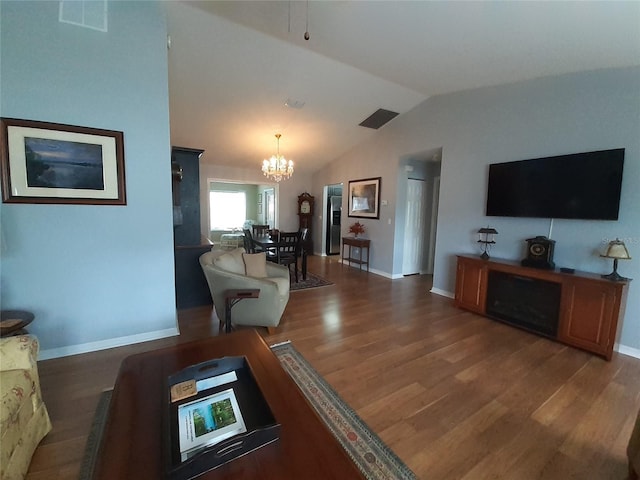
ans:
x=305 y=214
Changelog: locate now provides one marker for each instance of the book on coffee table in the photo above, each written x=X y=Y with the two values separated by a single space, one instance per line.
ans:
x=208 y=421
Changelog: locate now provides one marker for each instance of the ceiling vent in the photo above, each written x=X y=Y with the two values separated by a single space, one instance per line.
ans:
x=378 y=118
x=85 y=13
x=297 y=104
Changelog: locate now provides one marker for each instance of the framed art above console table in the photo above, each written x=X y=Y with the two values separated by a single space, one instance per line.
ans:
x=579 y=309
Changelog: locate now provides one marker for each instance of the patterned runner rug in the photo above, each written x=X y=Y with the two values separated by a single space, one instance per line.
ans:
x=374 y=459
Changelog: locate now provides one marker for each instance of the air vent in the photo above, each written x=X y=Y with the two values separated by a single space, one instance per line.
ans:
x=297 y=104
x=84 y=13
x=378 y=118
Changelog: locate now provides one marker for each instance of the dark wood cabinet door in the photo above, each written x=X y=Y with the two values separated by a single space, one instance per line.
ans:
x=471 y=290
x=588 y=314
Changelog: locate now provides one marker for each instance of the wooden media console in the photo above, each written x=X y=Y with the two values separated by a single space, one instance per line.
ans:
x=579 y=309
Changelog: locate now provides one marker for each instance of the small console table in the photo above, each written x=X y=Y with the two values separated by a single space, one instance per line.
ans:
x=13 y=322
x=360 y=243
x=588 y=310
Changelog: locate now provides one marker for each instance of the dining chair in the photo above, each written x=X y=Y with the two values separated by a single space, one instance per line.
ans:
x=289 y=250
x=247 y=240
x=259 y=230
x=271 y=248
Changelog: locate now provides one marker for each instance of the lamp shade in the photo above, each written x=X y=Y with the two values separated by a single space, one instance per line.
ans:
x=617 y=249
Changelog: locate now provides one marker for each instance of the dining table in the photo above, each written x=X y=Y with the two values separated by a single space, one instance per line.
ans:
x=267 y=243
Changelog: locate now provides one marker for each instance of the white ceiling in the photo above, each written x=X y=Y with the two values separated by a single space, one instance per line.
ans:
x=234 y=64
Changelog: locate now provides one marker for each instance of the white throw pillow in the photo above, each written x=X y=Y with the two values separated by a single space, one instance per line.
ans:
x=255 y=264
x=231 y=261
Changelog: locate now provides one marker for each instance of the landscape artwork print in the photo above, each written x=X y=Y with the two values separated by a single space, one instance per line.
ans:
x=208 y=421
x=44 y=162
x=213 y=417
x=62 y=164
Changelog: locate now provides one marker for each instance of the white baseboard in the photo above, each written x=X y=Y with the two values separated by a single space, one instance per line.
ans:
x=632 y=352
x=377 y=272
x=371 y=270
x=444 y=293
x=104 y=344
x=383 y=274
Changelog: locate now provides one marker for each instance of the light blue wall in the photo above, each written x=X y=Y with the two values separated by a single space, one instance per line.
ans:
x=548 y=116
x=92 y=274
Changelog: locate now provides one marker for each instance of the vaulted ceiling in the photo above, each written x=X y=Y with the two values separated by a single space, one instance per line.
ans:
x=233 y=65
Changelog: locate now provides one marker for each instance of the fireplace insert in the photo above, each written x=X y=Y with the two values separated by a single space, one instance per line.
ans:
x=525 y=302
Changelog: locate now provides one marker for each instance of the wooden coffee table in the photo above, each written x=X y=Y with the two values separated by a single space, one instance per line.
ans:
x=132 y=442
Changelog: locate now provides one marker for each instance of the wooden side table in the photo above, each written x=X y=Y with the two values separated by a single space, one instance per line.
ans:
x=233 y=296
x=360 y=243
x=12 y=322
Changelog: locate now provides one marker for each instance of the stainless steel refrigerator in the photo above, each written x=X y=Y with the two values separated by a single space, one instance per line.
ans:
x=335 y=212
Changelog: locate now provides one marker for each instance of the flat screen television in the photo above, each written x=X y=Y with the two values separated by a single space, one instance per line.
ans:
x=581 y=186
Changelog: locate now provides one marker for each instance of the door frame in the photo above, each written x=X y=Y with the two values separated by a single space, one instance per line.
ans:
x=431 y=256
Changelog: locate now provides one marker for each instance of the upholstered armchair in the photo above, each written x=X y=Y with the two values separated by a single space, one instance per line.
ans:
x=238 y=270
x=24 y=419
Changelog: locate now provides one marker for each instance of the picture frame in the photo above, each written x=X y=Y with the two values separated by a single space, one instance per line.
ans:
x=364 y=198
x=51 y=163
x=259 y=198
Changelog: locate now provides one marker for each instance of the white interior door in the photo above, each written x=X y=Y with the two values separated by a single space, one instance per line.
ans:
x=414 y=228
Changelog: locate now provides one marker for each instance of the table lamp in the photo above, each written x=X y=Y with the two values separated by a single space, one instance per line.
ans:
x=618 y=251
x=485 y=237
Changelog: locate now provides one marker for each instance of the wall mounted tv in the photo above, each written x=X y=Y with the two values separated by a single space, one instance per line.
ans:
x=581 y=186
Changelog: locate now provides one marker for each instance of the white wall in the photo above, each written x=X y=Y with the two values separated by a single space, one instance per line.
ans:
x=544 y=117
x=94 y=276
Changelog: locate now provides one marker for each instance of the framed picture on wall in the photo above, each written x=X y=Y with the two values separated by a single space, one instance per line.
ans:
x=45 y=162
x=364 y=198
x=259 y=198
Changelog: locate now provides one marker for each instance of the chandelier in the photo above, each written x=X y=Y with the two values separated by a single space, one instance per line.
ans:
x=277 y=167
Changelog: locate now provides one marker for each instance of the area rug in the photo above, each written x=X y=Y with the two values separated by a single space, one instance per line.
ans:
x=312 y=281
x=95 y=436
x=372 y=456
x=375 y=460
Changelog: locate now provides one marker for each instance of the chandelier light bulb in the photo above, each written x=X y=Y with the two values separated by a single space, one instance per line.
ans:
x=277 y=167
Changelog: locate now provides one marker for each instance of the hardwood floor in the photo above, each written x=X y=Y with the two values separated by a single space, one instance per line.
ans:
x=455 y=395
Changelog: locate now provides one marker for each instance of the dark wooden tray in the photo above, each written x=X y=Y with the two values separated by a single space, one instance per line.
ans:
x=260 y=423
